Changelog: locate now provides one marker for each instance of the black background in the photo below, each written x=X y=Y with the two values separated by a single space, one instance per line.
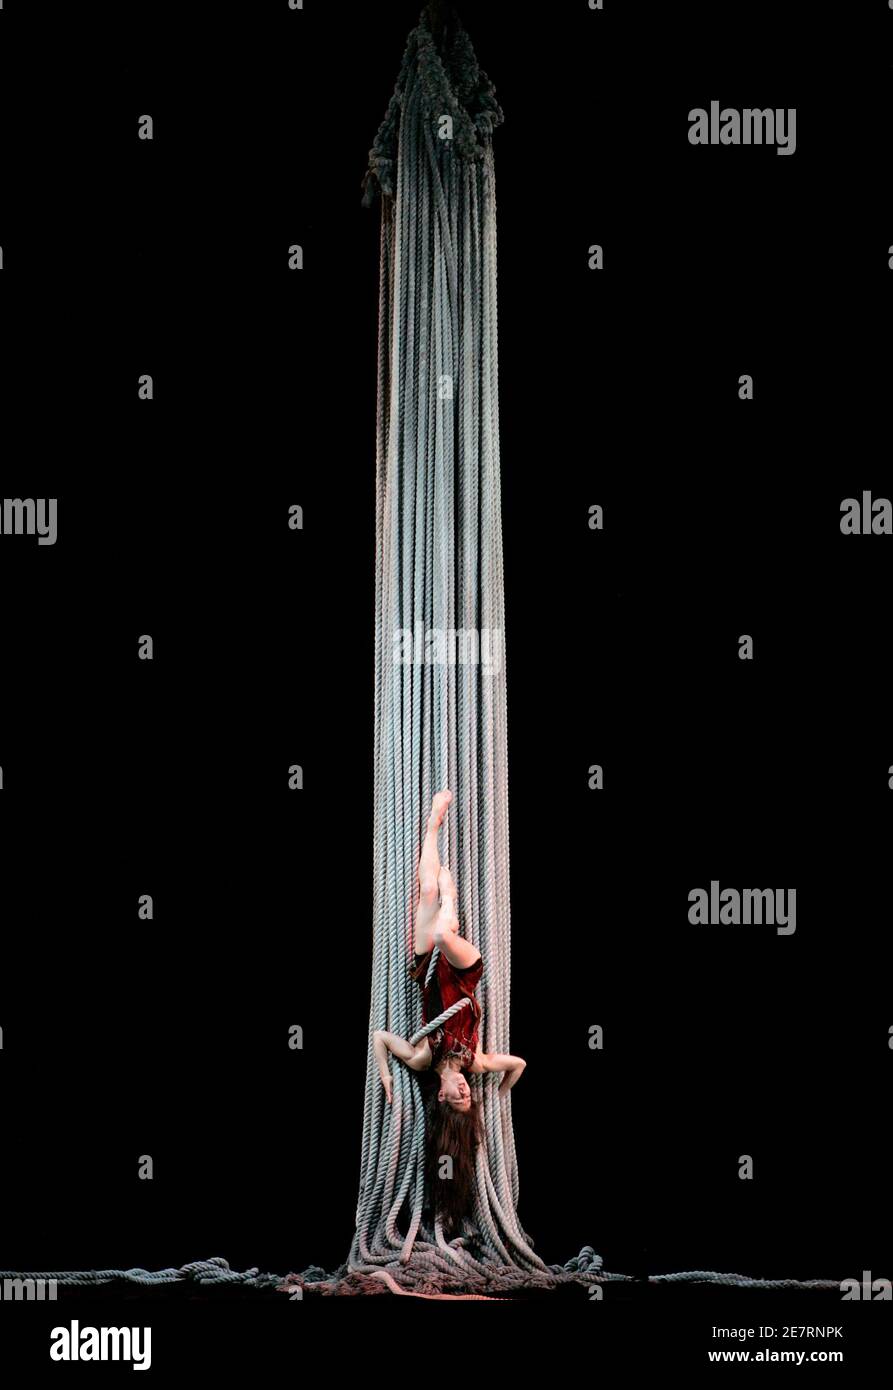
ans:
x=620 y=388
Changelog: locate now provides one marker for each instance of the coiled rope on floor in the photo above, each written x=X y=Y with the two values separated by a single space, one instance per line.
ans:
x=214 y=1271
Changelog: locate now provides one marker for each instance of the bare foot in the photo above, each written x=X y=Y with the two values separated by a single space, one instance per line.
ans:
x=438 y=808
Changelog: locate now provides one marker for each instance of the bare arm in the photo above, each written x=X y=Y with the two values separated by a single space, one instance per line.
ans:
x=502 y=1061
x=417 y=1057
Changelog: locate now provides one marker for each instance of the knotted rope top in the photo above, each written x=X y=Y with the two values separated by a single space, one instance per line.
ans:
x=453 y=84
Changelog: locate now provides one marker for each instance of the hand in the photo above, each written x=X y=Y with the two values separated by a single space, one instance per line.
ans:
x=388 y=1083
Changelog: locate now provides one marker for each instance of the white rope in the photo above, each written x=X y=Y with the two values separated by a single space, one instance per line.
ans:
x=440 y=568
x=439 y=549
x=435 y=1023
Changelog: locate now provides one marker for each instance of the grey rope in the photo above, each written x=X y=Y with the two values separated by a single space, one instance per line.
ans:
x=440 y=724
x=214 y=1271
x=441 y=1018
x=439 y=568
x=698 y=1276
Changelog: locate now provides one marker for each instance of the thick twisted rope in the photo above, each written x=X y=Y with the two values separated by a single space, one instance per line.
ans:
x=439 y=568
x=214 y=1271
x=585 y=1268
x=441 y=1018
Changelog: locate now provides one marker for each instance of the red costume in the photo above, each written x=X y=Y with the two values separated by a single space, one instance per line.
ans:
x=458 y=1037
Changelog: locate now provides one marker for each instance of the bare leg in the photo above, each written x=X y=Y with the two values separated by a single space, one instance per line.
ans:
x=429 y=869
x=446 y=927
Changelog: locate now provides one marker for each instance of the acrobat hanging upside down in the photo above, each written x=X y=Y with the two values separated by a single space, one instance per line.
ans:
x=452 y=1051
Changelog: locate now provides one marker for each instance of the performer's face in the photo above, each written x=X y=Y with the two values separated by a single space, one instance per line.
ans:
x=456 y=1090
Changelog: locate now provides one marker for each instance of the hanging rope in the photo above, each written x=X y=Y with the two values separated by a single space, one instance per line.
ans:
x=438 y=723
x=441 y=1018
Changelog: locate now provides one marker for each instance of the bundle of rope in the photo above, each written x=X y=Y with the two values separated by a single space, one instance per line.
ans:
x=438 y=722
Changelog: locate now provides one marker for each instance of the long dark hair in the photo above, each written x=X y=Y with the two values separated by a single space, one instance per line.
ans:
x=456 y=1133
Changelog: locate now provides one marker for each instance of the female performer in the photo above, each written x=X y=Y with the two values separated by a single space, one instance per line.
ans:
x=452 y=1053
